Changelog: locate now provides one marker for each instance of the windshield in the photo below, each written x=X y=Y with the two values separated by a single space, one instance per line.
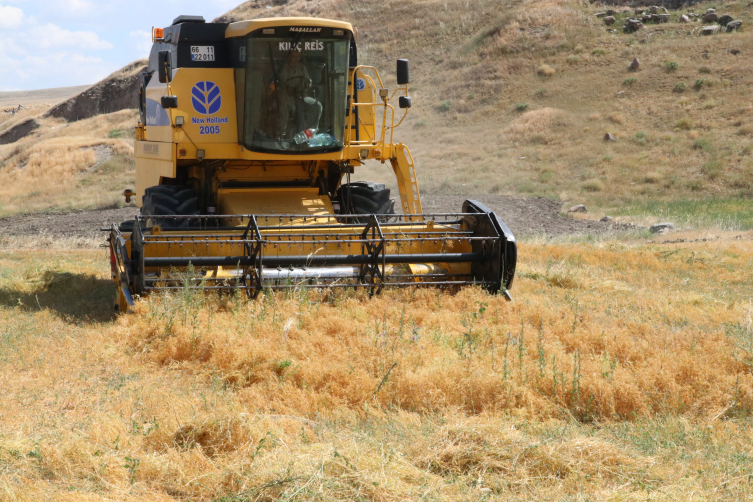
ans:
x=295 y=94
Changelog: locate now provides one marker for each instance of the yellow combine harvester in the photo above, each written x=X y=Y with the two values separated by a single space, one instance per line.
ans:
x=249 y=133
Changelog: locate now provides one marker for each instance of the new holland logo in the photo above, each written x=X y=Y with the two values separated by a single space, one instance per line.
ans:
x=206 y=98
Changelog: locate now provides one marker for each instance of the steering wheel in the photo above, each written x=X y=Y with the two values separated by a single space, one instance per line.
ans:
x=297 y=83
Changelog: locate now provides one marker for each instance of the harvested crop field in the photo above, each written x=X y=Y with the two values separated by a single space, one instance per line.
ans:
x=619 y=372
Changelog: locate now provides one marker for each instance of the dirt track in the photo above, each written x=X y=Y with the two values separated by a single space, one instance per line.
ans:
x=526 y=216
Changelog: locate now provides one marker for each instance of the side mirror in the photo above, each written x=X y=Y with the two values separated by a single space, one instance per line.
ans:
x=404 y=101
x=402 y=72
x=165 y=67
x=169 y=102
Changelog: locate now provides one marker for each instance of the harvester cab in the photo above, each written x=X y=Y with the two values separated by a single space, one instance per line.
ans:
x=248 y=135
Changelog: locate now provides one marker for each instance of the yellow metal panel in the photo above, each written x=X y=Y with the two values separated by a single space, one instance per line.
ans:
x=366 y=98
x=303 y=201
x=211 y=117
x=153 y=160
x=241 y=28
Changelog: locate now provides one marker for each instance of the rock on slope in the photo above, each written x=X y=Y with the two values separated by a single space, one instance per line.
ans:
x=117 y=92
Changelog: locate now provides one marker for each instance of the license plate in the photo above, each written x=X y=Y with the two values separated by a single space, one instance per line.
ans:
x=202 y=53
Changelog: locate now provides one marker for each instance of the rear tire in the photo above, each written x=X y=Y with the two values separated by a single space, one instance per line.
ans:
x=170 y=200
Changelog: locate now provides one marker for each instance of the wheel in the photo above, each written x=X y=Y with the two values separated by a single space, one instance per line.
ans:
x=170 y=200
x=365 y=197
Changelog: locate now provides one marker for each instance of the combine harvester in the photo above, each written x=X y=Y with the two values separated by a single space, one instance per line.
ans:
x=249 y=133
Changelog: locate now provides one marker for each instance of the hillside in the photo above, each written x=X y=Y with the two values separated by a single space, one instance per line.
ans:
x=516 y=98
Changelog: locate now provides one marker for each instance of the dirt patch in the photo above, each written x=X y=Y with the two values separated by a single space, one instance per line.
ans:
x=84 y=224
x=526 y=217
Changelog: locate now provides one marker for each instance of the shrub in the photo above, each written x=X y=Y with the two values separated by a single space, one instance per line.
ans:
x=679 y=87
x=685 y=123
x=629 y=81
x=709 y=104
x=746 y=130
x=419 y=123
x=115 y=133
x=592 y=185
x=640 y=137
x=712 y=168
x=471 y=96
x=700 y=82
x=598 y=51
x=545 y=71
x=704 y=69
x=573 y=59
x=444 y=106
x=703 y=144
x=671 y=66
x=521 y=107
x=541 y=92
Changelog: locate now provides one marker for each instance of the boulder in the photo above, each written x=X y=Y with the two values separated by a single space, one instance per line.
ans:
x=734 y=25
x=723 y=20
x=609 y=20
x=661 y=228
x=663 y=18
x=606 y=219
x=638 y=12
x=19 y=131
x=601 y=14
x=632 y=25
x=580 y=208
x=611 y=12
x=711 y=29
x=710 y=11
x=635 y=65
x=710 y=17
x=654 y=9
x=610 y=137
x=684 y=19
x=663 y=10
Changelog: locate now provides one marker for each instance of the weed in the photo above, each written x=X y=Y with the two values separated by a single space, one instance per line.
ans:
x=712 y=168
x=593 y=185
x=640 y=138
x=444 y=106
x=671 y=66
x=704 y=69
x=680 y=87
x=419 y=124
x=598 y=51
x=700 y=83
x=521 y=107
x=115 y=133
x=628 y=82
x=573 y=59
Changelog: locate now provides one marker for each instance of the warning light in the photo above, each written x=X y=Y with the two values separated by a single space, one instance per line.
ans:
x=158 y=34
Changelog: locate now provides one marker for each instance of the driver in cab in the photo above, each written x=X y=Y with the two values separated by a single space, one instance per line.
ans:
x=295 y=103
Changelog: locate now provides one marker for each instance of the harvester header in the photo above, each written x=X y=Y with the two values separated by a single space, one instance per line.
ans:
x=249 y=133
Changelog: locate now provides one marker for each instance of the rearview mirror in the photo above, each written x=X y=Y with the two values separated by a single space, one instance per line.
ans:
x=404 y=101
x=402 y=72
x=165 y=67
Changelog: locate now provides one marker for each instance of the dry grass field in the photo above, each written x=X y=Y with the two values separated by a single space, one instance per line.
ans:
x=620 y=372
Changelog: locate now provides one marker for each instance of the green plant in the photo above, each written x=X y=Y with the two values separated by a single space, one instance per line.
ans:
x=640 y=137
x=545 y=70
x=521 y=107
x=444 y=106
x=115 y=133
x=700 y=82
x=598 y=51
x=628 y=82
x=712 y=168
x=471 y=96
x=671 y=66
x=679 y=87
x=573 y=59
x=704 y=69
x=419 y=123
x=703 y=144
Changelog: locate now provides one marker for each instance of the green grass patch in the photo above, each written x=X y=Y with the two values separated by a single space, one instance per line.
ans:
x=723 y=213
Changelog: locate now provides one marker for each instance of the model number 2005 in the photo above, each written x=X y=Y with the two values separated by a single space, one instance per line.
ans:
x=209 y=129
